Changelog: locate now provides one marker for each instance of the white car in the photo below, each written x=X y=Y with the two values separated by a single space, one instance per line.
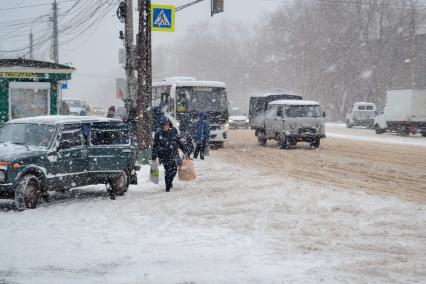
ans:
x=238 y=120
x=76 y=106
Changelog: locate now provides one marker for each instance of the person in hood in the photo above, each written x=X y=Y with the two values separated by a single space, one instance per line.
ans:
x=202 y=134
x=166 y=148
x=111 y=112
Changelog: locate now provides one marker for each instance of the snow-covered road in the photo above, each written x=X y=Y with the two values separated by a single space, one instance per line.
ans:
x=229 y=226
x=339 y=130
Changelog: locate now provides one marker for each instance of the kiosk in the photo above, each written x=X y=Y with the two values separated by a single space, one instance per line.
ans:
x=30 y=87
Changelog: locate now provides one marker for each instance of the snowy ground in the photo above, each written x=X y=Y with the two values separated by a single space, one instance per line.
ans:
x=339 y=130
x=230 y=226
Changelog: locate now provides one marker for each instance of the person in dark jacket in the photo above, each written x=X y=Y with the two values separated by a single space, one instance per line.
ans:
x=166 y=148
x=202 y=134
x=111 y=112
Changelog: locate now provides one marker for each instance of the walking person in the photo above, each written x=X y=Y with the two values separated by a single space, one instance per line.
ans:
x=202 y=135
x=166 y=148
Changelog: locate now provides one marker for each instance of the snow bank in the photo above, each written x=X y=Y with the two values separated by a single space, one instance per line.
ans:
x=230 y=226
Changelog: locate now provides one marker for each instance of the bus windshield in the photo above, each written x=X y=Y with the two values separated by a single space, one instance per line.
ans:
x=206 y=99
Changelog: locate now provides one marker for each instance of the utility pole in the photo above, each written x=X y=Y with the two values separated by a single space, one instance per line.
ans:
x=55 y=33
x=144 y=69
x=31 y=45
x=130 y=64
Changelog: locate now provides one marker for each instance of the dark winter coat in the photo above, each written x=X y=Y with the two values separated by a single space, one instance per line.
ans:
x=202 y=129
x=166 y=146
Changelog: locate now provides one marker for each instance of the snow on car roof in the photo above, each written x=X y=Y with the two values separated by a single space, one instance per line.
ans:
x=364 y=103
x=71 y=99
x=294 y=103
x=58 y=119
x=272 y=94
x=214 y=84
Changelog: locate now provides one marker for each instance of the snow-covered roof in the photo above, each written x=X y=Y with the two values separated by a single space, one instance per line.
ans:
x=364 y=103
x=36 y=66
x=214 y=84
x=71 y=99
x=179 y=78
x=294 y=103
x=270 y=94
x=59 y=119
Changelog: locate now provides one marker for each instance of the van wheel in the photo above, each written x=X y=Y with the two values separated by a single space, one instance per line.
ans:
x=377 y=129
x=27 y=193
x=315 y=143
x=120 y=184
x=283 y=142
x=261 y=139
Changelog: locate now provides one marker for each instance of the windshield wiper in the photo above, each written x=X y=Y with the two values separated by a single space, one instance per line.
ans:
x=19 y=143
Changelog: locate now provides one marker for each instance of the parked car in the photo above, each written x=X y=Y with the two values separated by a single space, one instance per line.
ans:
x=404 y=113
x=361 y=114
x=76 y=107
x=99 y=111
x=292 y=121
x=238 y=120
x=40 y=154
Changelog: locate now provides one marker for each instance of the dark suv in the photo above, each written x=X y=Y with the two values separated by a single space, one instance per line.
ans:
x=39 y=154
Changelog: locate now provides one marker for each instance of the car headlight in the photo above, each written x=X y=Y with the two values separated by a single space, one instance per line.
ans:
x=231 y=120
x=2 y=176
x=224 y=126
x=247 y=120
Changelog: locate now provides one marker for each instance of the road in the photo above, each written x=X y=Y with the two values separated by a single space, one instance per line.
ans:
x=353 y=159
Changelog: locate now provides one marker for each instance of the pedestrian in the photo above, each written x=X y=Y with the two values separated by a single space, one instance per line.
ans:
x=202 y=135
x=188 y=130
x=166 y=148
x=111 y=112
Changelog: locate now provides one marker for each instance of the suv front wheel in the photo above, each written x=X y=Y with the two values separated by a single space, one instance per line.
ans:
x=27 y=193
x=120 y=184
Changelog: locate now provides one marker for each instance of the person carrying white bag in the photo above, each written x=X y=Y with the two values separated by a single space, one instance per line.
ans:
x=166 y=148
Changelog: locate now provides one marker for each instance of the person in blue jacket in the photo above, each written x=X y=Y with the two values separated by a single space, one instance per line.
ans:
x=202 y=134
x=166 y=148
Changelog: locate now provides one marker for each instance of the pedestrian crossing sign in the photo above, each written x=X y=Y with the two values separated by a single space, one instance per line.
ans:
x=162 y=18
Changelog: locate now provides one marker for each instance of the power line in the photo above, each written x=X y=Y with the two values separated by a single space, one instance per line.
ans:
x=32 y=6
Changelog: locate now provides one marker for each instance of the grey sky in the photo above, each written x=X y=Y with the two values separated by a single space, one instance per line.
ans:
x=96 y=56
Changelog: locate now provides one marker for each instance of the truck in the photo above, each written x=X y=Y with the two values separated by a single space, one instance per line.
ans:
x=257 y=111
x=292 y=121
x=404 y=113
x=361 y=114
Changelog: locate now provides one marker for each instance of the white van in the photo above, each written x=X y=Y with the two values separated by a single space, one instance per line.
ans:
x=292 y=121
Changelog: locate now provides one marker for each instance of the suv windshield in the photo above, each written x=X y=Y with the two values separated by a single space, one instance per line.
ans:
x=28 y=134
x=303 y=111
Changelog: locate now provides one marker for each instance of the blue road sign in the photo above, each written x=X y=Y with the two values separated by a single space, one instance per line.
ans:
x=162 y=18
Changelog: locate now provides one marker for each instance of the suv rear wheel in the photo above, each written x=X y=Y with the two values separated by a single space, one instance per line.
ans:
x=27 y=193
x=120 y=184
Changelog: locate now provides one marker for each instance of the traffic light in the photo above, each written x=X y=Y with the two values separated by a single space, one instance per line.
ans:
x=217 y=6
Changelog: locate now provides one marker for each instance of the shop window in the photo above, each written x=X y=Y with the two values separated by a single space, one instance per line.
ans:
x=29 y=99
